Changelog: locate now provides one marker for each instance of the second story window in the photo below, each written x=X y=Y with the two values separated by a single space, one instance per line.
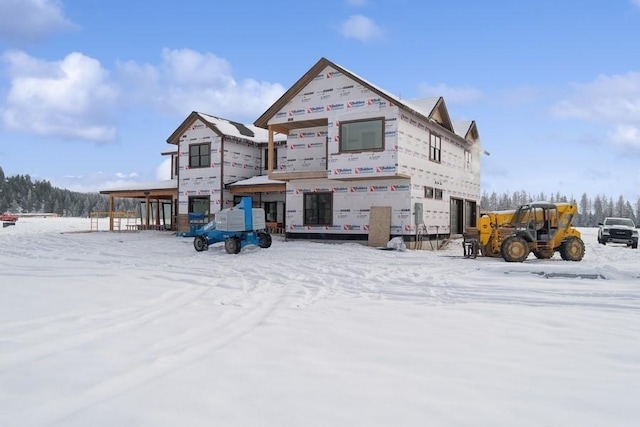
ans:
x=199 y=155
x=435 y=148
x=176 y=166
x=467 y=160
x=266 y=159
x=362 y=135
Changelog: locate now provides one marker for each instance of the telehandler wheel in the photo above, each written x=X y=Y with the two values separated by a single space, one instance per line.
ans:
x=572 y=249
x=264 y=240
x=200 y=243
x=515 y=249
x=232 y=245
x=543 y=253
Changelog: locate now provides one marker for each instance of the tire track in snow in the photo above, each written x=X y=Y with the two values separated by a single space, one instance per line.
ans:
x=174 y=354
x=116 y=323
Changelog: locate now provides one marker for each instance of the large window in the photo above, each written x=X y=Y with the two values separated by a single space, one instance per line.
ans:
x=435 y=147
x=362 y=135
x=199 y=155
x=199 y=204
x=318 y=209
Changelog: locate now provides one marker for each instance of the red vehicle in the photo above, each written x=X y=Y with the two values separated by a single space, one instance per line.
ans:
x=6 y=217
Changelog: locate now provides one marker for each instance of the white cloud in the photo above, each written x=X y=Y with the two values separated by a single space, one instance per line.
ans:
x=608 y=98
x=31 y=20
x=163 y=171
x=361 y=28
x=70 y=98
x=451 y=95
x=626 y=136
x=121 y=175
x=187 y=80
x=612 y=100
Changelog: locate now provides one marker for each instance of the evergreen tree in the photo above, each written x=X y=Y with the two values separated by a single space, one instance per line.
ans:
x=585 y=211
x=628 y=212
x=598 y=209
x=20 y=194
x=620 y=207
x=493 y=202
x=609 y=208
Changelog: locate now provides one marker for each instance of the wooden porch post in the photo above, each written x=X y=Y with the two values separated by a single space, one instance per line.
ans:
x=158 y=212
x=270 y=152
x=111 y=213
x=146 y=195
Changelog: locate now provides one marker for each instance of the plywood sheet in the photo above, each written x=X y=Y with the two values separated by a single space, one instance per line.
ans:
x=379 y=226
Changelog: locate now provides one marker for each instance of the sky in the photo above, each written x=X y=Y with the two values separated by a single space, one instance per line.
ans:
x=91 y=90
x=139 y=329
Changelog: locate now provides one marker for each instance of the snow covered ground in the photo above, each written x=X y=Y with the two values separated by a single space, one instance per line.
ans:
x=139 y=329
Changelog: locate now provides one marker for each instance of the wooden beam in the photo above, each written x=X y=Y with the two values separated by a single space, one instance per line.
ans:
x=148 y=209
x=270 y=151
x=262 y=188
x=168 y=193
x=286 y=176
x=111 y=209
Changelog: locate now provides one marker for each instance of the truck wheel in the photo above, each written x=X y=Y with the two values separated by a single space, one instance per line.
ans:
x=232 y=245
x=200 y=243
x=543 y=253
x=264 y=240
x=572 y=249
x=634 y=245
x=515 y=249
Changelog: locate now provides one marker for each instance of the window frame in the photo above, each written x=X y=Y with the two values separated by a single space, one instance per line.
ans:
x=275 y=159
x=200 y=156
x=307 y=211
x=271 y=207
x=467 y=160
x=437 y=193
x=191 y=203
x=428 y=192
x=342 y=136
x=435 y=147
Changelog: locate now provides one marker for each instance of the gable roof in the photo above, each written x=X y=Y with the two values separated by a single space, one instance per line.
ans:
x=432 y=108
x=429 y=108
x=224 y=127
x=467 y=129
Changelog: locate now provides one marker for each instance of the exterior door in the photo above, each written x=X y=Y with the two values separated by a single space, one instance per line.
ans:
x=457 y=216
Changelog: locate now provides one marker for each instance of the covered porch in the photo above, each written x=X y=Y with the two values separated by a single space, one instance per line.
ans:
x=268 y=194
x=157 y=209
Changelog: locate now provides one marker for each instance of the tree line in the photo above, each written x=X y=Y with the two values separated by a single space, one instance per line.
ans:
x=21 y=194
x=591 y=210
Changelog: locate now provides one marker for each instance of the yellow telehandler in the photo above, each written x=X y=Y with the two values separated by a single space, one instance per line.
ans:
x=539 y=227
